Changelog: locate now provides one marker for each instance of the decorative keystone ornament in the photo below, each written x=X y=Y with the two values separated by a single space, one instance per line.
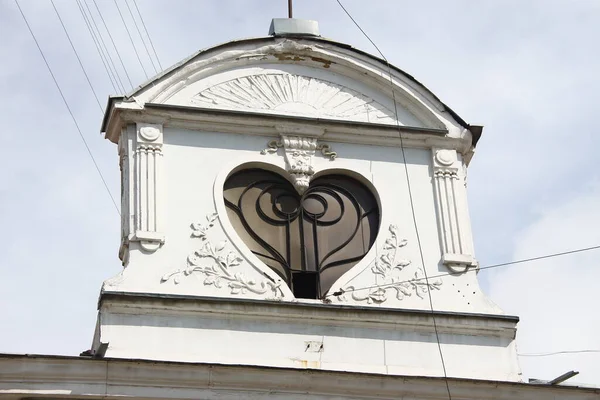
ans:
x=298 y=153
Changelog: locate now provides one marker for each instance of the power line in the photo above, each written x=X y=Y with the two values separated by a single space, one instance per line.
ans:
x=131 y=40
x=103 y=43
x=365 y=34
x=410 y=196
x=564 y=253
x=77 y=55
x=113 y=43
x=68 y=108
x=557 y=353
x=141 y=37
x=98 y=49
x=147 y=34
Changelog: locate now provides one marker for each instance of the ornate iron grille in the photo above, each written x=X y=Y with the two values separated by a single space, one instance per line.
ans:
x=309 y=240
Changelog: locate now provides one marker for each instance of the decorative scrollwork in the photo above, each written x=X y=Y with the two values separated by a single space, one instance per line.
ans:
x=272 y=147
x=298 y=153
x=220 y=270
x=322 y=232
x=390 y=268
x=326 y=151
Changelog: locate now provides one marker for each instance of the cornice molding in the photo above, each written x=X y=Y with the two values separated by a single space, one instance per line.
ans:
x=72 y=377
x=258 y=124
x=334 y=315
x=327 y=57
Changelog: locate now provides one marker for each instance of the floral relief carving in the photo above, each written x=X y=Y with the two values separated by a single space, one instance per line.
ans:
x=272 y=147
x=326 y=151
x=298 y=153
x=394 y=274
x=219 y=264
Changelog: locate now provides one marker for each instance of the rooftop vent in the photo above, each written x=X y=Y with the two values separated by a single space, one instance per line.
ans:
x=293 y=27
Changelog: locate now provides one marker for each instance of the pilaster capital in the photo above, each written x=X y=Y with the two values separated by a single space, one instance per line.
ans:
x=445 y=159
x=149 y=133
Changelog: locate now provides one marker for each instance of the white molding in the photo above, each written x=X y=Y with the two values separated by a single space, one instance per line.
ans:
x=453 y=221
x=300 y=129
x=298 y=152
x=141 y=152
x=394 y=273
x=221 y=266
x=229 y=230
x=127 y=204
x=240 y=331
x=72 y=377
x=269 y=125
x=148 y=186
x=395 y=319
x=326 y=59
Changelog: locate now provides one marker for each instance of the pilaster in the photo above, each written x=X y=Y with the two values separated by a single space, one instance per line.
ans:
x=453 y=219
x=142 y=198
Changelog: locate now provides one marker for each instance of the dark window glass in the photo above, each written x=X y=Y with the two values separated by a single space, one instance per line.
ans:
x=309 y=240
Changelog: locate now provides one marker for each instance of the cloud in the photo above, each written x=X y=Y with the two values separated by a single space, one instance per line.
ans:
x=523 y=69
x=556 y=298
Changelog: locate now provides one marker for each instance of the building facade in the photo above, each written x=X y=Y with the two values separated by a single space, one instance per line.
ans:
x=294 y=225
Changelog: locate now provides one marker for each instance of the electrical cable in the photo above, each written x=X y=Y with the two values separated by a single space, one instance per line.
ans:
x=77 y=55
x=103 y=43
x=439 y=345
x=113 y=43
x=131 y=40
x=88 y=25
x=557 y=353
x=504 y=264
x=147 y=34
x=68 y=108
x=141 y=37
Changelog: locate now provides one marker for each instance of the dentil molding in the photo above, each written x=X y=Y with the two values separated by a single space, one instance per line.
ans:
x=299 y=152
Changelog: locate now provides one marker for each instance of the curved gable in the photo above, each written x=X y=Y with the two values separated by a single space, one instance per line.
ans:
x=311 y=78
x=284 y=92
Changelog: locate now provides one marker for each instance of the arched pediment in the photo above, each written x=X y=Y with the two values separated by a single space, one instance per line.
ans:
x=311 y=78
x=286 y=93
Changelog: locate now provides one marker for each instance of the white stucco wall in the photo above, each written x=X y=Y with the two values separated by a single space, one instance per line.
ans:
x=382 y=341
x=194 y=167
x=286 y=105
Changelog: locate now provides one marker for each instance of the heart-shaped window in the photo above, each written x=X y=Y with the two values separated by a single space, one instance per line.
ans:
x=309 y=240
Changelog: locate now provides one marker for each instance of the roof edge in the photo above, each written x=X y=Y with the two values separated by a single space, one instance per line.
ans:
x=316 y=39
x=54 y=372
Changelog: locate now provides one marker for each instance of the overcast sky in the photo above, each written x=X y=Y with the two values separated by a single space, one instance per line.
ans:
x=526 y=70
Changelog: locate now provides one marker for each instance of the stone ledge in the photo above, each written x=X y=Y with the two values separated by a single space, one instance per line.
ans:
x=27 y=376
x=317 y=314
